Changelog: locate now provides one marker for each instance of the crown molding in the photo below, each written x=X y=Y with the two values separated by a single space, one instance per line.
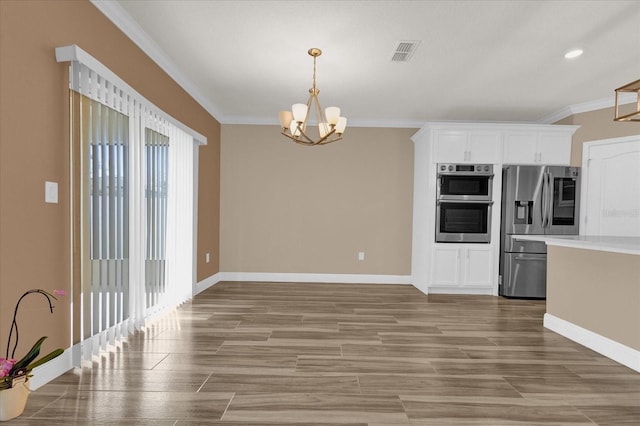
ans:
x=608 y=102
x=121 y=19
x=399 y=124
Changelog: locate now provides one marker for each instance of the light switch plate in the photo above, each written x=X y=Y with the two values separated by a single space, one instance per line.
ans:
x=51 y=192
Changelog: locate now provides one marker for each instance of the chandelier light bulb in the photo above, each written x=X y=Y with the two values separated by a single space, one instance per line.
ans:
x=332 y=113
x=299 y=112
x=285 y=118
x=342 y=124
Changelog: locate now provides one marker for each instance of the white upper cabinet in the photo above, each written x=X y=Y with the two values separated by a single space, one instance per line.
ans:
x=537 y=147
x=555 y=148
x=449 y=146
x=466 y=146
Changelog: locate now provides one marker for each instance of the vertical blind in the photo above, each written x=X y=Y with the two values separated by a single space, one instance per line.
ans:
x=136 y=191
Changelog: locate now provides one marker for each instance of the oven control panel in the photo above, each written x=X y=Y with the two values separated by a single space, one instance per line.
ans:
x=484 y=169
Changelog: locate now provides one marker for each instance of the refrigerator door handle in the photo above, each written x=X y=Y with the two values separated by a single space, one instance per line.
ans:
x=549 y=193
x=531 y=257
x=543 y=200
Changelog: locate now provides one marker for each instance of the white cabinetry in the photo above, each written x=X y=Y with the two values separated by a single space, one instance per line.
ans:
x=537 y=147
x=462 y=267
x=471 y=268
x=466 y=146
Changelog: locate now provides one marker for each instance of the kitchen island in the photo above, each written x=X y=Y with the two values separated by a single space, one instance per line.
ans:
x=593 y=293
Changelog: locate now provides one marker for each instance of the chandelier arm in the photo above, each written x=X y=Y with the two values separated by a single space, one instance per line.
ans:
x=310 y=142
x=327 y=136
x=296 y=140
x=330 y=141
x=299 y=142
x=302 y=133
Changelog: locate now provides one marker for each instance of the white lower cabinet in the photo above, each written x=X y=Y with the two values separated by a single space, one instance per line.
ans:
x=463 y=267
x=445 y=267
x=478 y=266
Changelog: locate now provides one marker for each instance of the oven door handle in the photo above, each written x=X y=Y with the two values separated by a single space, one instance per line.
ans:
x=488 y=175
x=464 y=202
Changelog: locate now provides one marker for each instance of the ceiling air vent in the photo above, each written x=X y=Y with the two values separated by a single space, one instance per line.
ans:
x=404 y=50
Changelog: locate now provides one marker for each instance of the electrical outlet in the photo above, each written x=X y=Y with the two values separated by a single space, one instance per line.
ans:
x=361 y=255
x=207 y=257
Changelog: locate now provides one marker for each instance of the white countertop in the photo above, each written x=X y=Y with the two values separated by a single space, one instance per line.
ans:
x=626 y=245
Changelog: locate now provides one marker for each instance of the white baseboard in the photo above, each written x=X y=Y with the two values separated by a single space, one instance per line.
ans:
x=52 y=369
x=207 y=282
x=610 y=348
x=461 y=290
x=313 y=278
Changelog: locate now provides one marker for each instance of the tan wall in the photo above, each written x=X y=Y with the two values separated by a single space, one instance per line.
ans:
x=295 y=209
x=596 y=125
x=34 y=147
x=599 y=291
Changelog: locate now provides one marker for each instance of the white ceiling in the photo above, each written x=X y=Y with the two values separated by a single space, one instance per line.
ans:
x=477 y=60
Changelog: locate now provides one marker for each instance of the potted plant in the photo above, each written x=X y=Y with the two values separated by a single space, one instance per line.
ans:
x=15 y=373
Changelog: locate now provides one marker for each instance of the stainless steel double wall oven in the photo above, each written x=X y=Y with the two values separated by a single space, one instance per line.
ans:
x=464 y=198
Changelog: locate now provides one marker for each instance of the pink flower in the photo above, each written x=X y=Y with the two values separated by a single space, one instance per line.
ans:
x=60 y=292
x=5 y=366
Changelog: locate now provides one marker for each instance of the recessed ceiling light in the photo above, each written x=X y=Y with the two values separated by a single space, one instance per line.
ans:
x=573 y=53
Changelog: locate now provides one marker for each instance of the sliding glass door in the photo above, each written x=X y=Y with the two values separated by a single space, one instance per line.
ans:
x=133 y=192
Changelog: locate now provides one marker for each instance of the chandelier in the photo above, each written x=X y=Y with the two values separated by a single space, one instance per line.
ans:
x=330 y=124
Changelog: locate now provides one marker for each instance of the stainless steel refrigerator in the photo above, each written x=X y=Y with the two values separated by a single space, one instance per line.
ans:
x=536 y=200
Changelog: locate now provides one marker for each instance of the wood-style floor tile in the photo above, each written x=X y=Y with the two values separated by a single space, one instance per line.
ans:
x=315 y=407
x=281 y=383
x=244 y=353
x=104 y=406
x=529 y=353
x=555 y=384
x=517 y=367
x=436 y=385
x=433 y=412
x=613 y=414
x=402 y=351
x=357 y=365
x=259 y=349
x=398 y=328
x=99 y=379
